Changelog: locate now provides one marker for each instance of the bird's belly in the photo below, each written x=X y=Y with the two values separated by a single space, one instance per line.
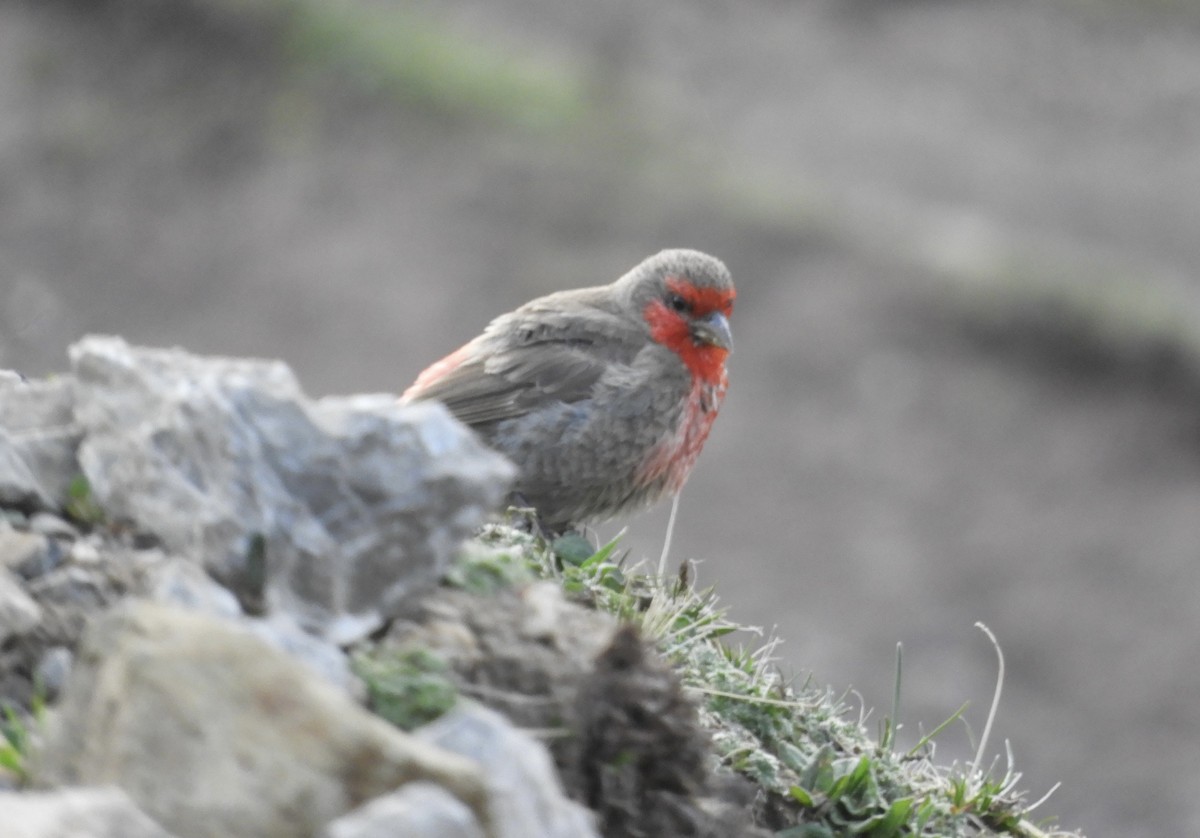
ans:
x=670 y=462
x=588 y=464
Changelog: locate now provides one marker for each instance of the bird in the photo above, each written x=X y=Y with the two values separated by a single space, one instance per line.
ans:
x=603 y=396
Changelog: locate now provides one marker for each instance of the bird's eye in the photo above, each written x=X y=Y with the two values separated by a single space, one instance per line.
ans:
x=678 y=303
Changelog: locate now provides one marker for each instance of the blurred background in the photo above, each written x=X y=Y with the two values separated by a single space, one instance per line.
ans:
x=965 y=384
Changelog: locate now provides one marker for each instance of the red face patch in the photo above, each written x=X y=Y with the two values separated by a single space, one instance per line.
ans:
x=703 y=300
x=673 y=328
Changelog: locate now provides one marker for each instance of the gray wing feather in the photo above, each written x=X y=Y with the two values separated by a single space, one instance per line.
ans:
x=531 y=356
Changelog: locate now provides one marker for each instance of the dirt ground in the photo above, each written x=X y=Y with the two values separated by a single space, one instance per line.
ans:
x=885 y=469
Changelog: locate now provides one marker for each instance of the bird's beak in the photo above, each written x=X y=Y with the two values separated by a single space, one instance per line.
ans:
x=713 y=330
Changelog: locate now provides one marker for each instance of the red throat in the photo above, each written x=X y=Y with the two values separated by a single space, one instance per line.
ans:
x=670 y=328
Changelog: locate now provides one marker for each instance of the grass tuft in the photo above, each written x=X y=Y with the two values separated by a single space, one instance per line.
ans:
x=800 y=743
x=81 y=506
x=18 y=732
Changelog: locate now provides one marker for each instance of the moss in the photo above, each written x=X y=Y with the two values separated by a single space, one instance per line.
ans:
x=81 y=506
x=408 y=688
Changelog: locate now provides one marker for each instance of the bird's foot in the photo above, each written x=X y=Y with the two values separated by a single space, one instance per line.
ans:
x=522 y=515
x=570 y=544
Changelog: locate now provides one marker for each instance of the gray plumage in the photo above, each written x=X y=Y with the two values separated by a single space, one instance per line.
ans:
x=574 y=388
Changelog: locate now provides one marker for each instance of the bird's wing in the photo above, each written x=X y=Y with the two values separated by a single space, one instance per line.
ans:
x=541 y=352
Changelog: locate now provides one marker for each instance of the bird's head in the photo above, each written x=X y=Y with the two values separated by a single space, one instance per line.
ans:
x=686 y=298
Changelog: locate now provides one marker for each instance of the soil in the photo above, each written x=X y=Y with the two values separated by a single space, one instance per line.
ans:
x=885 y=469
x=635 y=752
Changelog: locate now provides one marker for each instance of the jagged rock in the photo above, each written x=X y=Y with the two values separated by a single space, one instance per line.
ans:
x=417 y=810
x=38 y=437
x=75 y=813
x=355 y=502
x=527 y=799
x=19 y=614
x=258 y=746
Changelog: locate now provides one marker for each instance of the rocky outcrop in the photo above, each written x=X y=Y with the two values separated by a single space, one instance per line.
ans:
x=353 y=504
x=189 y=547
x=333 y=510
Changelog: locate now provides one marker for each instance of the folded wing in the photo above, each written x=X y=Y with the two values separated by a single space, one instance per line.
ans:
x=536 y=354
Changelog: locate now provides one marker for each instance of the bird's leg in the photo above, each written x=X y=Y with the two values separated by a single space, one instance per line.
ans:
x=569 y=544
x=528 y=519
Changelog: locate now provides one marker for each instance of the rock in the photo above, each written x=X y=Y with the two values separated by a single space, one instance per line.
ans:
x=185 y=583
x=86 y=551
x=66 y=597
x=321 y=656
x=13 y=517
x=257 y=746
x=417 y=810
x=19 y=614
x=637 y=753
x=87 y=588
x=49 y=524
x=75 y=813
x=544 y=612
x=28 y=554
x=504 y=650
x=641 y=753
x=18 y=485
x=527 y=799
x=38 y=438
x=52 y=670
x=180 y=582
x=356 y=503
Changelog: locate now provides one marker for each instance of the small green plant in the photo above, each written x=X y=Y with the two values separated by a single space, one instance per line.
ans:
x=484 y=569
x=572 y=548
x=409 y=687
x=17 y=731
x=601 y=579
x=249 y=581
x=81 y=506
x=845 y=793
